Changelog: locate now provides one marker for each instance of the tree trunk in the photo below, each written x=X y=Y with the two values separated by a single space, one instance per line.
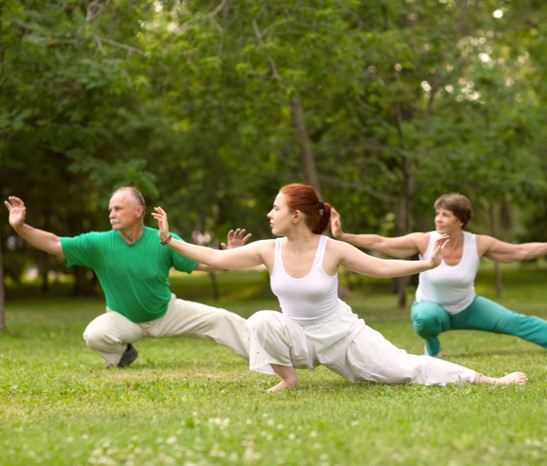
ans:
x=497 y=268
x=2 y=291
x=44 y=271
x=404 y=217
x=403 y=227
x=308 y=160
x=404 y=224
x=214 y=284
x=84 y=282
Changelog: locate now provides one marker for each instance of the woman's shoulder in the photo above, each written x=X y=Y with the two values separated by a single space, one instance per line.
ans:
x=484 y=243
x=263 y=243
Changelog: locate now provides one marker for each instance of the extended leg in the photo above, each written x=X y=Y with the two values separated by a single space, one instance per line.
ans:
x=484 y=314
x=186 y=318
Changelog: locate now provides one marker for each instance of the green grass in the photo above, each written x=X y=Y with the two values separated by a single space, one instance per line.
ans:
x=192 y=402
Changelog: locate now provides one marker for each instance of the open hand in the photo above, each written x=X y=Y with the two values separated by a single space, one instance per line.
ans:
x=335 y=223
x=163 y=224
x=17 y=211
x=437 y=253
x=236 y=238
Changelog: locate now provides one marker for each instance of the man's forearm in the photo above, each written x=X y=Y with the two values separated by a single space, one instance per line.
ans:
x=40 y=239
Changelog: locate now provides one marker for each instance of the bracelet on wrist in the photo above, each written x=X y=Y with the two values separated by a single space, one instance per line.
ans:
x=166 y=241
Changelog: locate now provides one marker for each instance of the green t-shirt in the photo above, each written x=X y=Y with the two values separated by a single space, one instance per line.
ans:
x=134 y=277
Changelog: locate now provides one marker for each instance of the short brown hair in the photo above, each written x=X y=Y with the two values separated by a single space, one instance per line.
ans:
x=456 y=203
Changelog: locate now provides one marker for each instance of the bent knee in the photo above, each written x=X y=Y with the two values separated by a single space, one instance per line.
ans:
x=93 y=338
x=426 y=324
x=261 y=319
x=96 y=335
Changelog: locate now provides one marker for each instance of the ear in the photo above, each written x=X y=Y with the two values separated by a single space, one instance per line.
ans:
x=297 y=216
x=140 y=211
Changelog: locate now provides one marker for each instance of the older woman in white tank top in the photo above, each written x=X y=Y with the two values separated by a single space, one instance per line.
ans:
x=446 y=298
x=314 y=326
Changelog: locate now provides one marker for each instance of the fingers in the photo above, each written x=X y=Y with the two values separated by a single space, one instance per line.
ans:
x=237 y=233
x=442 y=240
x=159 y=214
x=13 y=202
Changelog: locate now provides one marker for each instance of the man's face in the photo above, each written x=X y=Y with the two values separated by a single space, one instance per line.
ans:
x=124 y=211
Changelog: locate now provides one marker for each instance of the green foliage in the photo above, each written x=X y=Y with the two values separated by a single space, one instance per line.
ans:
x=193 y=103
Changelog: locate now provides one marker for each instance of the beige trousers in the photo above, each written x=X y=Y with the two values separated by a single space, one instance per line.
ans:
x=346 y=345
x=110 y=333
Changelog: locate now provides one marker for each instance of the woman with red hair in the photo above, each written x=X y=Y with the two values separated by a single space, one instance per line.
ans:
x=314 y=326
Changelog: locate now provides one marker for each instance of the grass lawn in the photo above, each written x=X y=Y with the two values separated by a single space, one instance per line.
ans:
x=192 y=402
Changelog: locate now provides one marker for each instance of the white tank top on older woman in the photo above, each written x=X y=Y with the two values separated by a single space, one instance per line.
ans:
x=451 y=286
x=309 y=299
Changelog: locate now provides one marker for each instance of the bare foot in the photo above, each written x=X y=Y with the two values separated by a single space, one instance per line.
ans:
x=514 y=377
x=282 y=386
x=518 y=378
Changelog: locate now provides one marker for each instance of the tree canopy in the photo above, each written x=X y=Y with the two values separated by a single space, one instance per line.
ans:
x=209 y=106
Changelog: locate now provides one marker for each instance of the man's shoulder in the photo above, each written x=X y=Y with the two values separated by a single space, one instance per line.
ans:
x=89 y=235
x=100 y=235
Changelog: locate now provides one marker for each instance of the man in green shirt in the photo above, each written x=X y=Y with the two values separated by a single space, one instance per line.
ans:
x=133 y=269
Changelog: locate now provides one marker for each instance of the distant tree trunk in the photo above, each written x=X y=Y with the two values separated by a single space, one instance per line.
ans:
x=214 y=283
x=308 y=160
x=403 y=224
x=403 y=227
x=497 y=268
x=2 y=291
x=43 y=268
x=84 y=282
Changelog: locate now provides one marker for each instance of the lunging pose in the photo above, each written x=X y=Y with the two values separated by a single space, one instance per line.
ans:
x=446 y=298
x=315 y=327
x=133 y=269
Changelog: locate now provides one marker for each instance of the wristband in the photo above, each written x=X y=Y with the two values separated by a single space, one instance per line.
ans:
x=166 y=241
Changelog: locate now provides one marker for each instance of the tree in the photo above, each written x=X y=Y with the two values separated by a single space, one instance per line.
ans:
x=209 y=106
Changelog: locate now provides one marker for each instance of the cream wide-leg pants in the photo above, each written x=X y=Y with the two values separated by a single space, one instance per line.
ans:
x=346 y=345
x=110 y=333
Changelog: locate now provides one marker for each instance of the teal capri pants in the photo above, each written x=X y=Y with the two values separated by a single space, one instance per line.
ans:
x=430 y=320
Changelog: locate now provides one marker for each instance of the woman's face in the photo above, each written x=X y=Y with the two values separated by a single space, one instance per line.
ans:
x=280 y=216
x=447 y=222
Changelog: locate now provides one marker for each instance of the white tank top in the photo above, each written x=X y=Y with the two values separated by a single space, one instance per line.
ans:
x=451 y=286
x=310 y=299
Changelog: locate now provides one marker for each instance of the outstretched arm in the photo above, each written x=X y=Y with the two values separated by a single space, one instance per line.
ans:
x=402 y=246
x=40 y=239
x=358 y=261
x=235 y=239
x=237 y=258
x=500 y=251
